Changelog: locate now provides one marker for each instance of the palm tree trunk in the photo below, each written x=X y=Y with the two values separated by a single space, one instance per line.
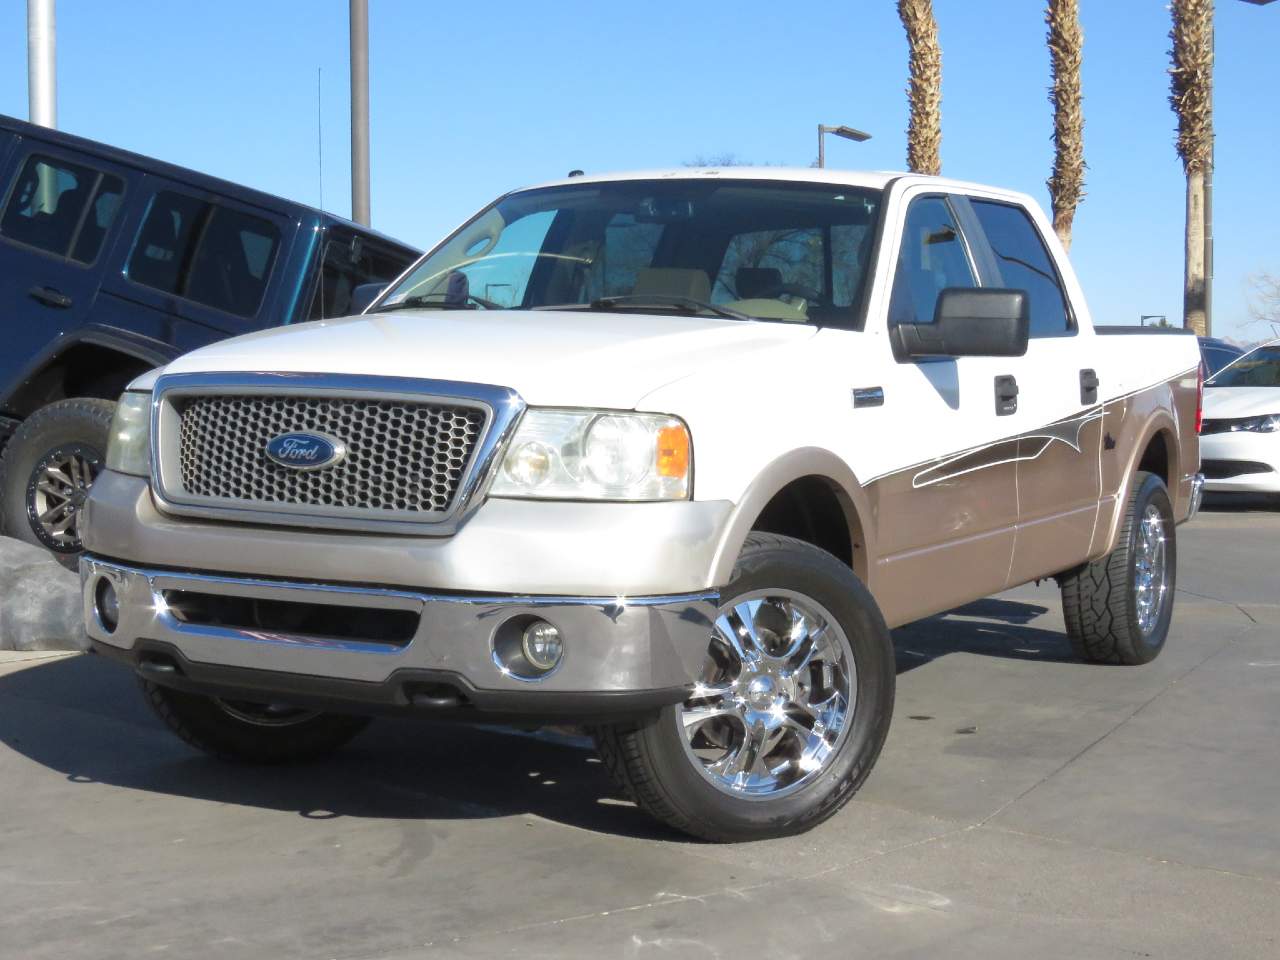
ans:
x=1193 y=291
x=1066 y=48
x=1191 y=94
x=924 y=95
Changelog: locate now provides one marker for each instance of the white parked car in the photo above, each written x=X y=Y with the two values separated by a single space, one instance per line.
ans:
x=1240 y=449
x=662 y=454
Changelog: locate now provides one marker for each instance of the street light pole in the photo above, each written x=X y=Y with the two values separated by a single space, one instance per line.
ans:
x=360 y=111
x=849 y=133
x=42 y=75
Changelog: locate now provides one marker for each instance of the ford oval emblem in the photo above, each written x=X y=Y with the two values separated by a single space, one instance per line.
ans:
x=305 y=451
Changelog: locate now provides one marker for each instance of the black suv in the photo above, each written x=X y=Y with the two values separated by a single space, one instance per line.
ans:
x=113 y=263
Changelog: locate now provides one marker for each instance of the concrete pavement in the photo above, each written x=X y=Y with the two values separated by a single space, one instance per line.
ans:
x=1024 y=805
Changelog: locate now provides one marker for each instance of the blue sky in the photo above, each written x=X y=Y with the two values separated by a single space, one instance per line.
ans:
x=469 y=100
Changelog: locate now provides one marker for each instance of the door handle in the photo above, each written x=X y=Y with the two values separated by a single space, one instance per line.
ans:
x=1088 y=387
x=50 y=297
x=1006 y=396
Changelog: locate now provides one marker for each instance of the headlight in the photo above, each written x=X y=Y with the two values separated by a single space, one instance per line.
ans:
x=596 y=455
x=1266 y=424
x=129 y=444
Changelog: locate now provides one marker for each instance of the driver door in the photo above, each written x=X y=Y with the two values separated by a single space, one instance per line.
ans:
x=944 y=481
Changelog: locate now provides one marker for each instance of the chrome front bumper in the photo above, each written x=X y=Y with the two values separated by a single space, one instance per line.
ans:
x=621 y=653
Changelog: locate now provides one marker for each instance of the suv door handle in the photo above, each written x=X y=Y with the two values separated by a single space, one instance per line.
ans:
x=1006 y=396
x=50 y=297
x=1088 y=387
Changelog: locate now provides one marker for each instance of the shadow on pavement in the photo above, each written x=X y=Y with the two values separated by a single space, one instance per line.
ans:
x=992 y=627
x=85 y=718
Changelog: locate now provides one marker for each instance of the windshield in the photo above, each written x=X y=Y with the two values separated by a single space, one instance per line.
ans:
x=1258 y=369
x=737 y=248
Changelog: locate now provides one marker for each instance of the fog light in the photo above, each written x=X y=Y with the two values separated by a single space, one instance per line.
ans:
x=107 y=605
x=541 y=645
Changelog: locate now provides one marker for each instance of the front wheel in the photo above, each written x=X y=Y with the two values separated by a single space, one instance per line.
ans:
x=249 y=731
x=790 y=712
x=1118 y=608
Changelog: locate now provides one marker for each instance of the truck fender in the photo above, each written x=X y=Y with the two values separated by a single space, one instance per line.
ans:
x=1157 y=421
x=796 y=465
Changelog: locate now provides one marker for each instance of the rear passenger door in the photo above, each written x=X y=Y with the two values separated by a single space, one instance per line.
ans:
x=58 y=214
x=1061 y=420
x=200 y=258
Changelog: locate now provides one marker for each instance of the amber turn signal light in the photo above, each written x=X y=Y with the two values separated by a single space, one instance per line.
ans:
x=673 y=452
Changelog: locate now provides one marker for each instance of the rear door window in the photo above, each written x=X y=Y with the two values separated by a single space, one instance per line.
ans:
x=213 y=254
x=62 y=208
x=1025 y=264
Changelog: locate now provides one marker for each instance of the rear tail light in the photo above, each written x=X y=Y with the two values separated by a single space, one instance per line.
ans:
x=1199 y=398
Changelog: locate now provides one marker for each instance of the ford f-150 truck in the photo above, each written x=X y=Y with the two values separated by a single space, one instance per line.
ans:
x=665 y=455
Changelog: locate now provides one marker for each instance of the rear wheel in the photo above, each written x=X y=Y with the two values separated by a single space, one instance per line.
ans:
x=46 y=471
x=1118 y=608
x=790 y=711
x=250 y=731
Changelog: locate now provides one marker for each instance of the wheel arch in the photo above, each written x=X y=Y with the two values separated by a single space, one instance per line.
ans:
x=94 y=364
x=1156 y=452
x=798 y=477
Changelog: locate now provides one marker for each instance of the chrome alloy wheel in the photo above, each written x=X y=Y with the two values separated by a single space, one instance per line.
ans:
x=56 y=493
x=266 y=714
x=1151 y=570
x=776 y=696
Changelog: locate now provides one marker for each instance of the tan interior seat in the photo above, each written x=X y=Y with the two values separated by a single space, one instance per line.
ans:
x=673 y=282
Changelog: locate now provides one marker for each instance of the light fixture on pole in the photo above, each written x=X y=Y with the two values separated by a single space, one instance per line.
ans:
x=849 y=133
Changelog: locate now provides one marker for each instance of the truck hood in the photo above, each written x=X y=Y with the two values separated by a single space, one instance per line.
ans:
x=1223 y=403
x=552 y=358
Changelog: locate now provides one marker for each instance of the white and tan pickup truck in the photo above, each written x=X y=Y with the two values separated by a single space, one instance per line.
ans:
x=663 y=454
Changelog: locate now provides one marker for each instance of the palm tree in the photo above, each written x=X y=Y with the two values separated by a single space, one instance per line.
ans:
x=1191 y=93
x=924 y=134
x=1066 y=46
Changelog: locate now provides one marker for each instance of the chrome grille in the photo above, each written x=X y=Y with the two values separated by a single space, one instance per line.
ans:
x=405 y=457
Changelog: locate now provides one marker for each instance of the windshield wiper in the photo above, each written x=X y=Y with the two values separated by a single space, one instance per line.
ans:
x=428 y=301
x=658 y=299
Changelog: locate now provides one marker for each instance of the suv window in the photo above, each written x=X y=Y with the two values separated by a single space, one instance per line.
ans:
x=1025 y=264
x=61 y=208
x=349 y=262
x=204 y=252
x=931 y=258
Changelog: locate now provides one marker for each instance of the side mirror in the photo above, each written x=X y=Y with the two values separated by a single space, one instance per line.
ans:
x=365 y=294
x=970 y=322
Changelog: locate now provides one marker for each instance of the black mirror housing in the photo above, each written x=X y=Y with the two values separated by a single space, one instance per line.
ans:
x=969 y=322
x=365 y=294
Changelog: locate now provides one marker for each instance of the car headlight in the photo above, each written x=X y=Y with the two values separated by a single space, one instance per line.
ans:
x=1265 y=424
x=129 y=443
x=596 y=455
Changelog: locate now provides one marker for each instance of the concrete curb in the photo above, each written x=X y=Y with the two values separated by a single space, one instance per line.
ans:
x=39 y=601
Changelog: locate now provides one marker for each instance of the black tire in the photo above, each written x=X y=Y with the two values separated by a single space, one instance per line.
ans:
x=1099 y=599
x=650 y=760
x=215 y=727
x=59 y=433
